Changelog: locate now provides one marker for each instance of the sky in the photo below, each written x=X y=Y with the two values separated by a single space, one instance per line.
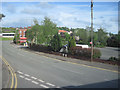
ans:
x=70 y=14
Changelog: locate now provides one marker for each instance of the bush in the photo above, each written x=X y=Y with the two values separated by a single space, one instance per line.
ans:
x=96 y=53
x=56 y=43
x=40 y=48
x=113 y=59
x=71 y=43
x=85 y=52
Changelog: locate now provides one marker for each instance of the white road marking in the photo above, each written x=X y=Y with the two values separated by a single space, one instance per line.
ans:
x=21 y=54
x=27 y=75
x=19 y=72
x=41 y=80
x=57 y=87
x=50 y=84
x=106 y=79
x=21 y=76
x=27 y=79
x=43 y=86
x=35 y=82
x=33 y=77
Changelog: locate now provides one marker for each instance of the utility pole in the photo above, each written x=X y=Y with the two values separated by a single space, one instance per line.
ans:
x=92 y=30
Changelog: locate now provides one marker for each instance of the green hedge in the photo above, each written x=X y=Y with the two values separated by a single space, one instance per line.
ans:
x=113 y=59
x=85 y=52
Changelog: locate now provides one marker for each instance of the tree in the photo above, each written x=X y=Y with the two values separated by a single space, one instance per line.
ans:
x=114 y=40
x=42 y=34
x=32 y=33
x=64 y=28
x=102 y=37
x=56 y=42
x=82 y=33
x=49 y=30
x=71 y=42
x=16 y=37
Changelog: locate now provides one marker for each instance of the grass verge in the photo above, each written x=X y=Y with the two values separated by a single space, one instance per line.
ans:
x=5 y=39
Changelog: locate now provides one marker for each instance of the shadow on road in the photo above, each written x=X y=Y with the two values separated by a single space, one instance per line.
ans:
x=106 y=84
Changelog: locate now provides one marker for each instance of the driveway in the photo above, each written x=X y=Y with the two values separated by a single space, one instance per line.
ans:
x=108 y=52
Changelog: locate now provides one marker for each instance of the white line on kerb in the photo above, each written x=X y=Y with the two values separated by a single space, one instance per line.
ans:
x=50 y=84
x=43 y=86
x=27 y=75
x=21 y=76
x=35 y=82
x=27 y=79
x=41 y=80
x=19 y=72
x=33 y=77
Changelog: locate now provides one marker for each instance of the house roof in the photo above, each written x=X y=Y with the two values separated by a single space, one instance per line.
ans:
x=23 y=38
x=62 y=31
x=23 y=29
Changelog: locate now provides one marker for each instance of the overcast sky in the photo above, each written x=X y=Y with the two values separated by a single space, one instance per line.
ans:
x=69 y=14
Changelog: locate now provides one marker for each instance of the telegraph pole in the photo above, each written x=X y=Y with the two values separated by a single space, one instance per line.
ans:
x=91 y=30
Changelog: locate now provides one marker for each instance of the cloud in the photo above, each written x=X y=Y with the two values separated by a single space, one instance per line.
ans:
x=59 y=1
x=32 y=11
x=64 y=15
x=9 y=8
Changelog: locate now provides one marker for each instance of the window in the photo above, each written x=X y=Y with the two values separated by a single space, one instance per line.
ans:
x=20 y=31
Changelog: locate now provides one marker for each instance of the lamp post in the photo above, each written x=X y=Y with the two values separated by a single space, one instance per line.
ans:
x=1 y=16
x=91 y=30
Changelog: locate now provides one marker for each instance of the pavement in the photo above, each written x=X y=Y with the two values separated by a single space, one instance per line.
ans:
x=0 y=66
x=4 y=72
x=41 y=70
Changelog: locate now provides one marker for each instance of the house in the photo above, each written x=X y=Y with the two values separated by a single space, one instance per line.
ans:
x=22 y=36
x=62 y=32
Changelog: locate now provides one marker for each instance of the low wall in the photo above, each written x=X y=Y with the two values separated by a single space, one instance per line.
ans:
x=83 y=46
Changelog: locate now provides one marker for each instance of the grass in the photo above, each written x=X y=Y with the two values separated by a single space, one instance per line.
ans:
x=5 y=39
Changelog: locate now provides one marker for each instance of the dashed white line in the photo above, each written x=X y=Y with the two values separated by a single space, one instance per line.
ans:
x=20 y=54
x=21 y=76
x=27 y=75
x=50 y=84
x=19 y=72
x=35 y=82
x=27 y=79
x=57 y=87
x=106 y=79
x=33 y=77
x=43 y=86
x=41 y=80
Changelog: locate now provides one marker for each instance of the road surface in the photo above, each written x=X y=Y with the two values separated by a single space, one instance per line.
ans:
x=108 y=52
x=38 y=71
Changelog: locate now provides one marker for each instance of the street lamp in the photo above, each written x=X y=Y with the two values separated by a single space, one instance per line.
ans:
x=1 y=16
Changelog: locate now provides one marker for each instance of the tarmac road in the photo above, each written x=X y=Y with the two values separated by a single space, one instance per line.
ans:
x=108 y=52
x=39 y=71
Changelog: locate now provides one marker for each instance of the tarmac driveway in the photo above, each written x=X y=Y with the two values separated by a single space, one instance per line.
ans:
x=108 y=52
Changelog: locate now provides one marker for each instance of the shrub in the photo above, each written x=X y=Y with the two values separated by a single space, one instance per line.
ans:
x=40 y=48
x=113 y=59
x=71 y=43
x=96 y=53
x=85 y=52
x=56 y=42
